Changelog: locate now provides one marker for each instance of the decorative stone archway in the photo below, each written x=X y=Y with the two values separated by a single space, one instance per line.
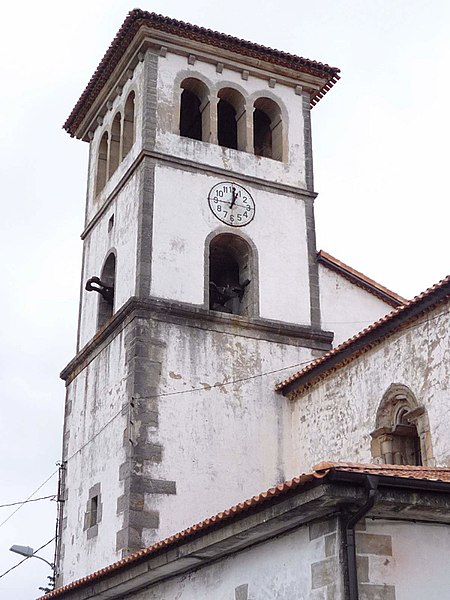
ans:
x=402 y=429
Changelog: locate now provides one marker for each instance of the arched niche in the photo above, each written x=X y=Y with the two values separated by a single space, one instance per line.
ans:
x=108 y=277
x=231 y=123
x=232 y=275
x=114 y=144
x=194 y=110
x=102 y=163
x=129 y=134
x=267 y=129
x=402 y=429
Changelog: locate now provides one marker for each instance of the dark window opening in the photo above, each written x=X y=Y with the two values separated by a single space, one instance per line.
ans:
x=267 y=129
x=114 y=145
x=227 y=125
x=229 y=275
x=262 y=134
x=102 y=161
x=93 y=519
x=190 y=116
x=128 y=125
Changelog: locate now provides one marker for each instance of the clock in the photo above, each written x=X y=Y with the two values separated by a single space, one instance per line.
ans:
x=231 y=203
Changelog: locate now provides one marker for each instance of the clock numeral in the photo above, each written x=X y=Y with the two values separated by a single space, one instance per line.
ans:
x=245 y=214
x=219 y=208
x=239 y=217
x=225 y=213
x=231 y=219
x=215 y=199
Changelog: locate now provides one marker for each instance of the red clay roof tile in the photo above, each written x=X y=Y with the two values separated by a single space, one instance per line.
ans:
x=368 y=337
x=361 y=280
x=320 y=471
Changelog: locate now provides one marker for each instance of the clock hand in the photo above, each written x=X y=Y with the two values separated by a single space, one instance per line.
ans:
x=234 y=198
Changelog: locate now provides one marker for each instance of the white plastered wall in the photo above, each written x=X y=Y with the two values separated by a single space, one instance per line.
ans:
x=345 y=307
x=183 y=220
x=122 y=238
x=419 y=564
x=279 y=568
x=94 y=453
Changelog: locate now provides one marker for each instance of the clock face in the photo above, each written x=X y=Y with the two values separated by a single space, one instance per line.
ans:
x=231 y=203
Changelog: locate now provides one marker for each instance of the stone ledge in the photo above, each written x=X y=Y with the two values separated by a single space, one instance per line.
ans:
x=191 y=315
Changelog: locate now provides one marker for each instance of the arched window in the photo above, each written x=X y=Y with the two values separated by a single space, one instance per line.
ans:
x=231 y=125
x=267 y=129
x=102 y=162
x=128 y=125
x=194 y=110
x=231 y=275
x=114 y=144
x=402 y=434
x=106 y=299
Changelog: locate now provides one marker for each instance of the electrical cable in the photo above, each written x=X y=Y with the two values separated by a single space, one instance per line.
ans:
x=53 y=496
x=198 y=389
x=26 y=558
x=29 y=498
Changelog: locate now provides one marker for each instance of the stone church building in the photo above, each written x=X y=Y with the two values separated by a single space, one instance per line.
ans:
x=204 y=374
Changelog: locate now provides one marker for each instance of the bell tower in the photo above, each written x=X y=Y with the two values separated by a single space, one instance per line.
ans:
x=199 y=283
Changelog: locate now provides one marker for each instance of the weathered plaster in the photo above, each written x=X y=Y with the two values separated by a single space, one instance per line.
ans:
x=335 y=417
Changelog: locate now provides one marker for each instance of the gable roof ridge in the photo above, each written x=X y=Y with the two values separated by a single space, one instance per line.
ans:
x=360 y=279
x=352 y=347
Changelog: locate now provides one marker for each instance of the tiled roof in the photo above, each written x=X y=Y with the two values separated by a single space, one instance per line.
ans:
x=359 y=279
x=405 y=471
x=138 y=18
x=365 y=340
x=320 y=471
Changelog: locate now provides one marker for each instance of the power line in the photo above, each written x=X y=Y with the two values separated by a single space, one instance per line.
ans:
x=53 y=496
x=26 y=558
x=29 y=498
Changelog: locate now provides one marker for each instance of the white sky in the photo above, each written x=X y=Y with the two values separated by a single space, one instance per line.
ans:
x=380 y=150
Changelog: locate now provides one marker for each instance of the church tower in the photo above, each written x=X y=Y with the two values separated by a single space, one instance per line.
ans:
x=199 y=283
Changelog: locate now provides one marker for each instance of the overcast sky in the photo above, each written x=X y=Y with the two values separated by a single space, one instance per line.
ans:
x=380 y=142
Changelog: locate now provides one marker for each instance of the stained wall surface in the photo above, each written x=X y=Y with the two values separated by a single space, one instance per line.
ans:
x=335 y=417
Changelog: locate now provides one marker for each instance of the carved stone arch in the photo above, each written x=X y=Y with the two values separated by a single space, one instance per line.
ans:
x=205 y=104
x=402 y=429
x=238 y=256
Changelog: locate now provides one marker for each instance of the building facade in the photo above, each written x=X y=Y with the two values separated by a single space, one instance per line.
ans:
x=201 y=288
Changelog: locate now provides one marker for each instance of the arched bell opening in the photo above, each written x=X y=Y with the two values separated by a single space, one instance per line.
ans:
x=231 y=124
x=194 y=110
x=102 y=164
x=114 y=144
x=128 y=124
x=106 y=300
x=267 y=129
x=231 y=289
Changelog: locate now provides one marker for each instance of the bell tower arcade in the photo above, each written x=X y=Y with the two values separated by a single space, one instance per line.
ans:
x=199 y=283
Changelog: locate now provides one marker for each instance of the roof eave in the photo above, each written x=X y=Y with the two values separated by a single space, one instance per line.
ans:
x=364 y=341
x=139 y=23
